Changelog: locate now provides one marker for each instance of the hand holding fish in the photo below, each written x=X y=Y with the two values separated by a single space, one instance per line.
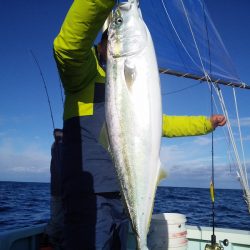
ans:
x=218 y=120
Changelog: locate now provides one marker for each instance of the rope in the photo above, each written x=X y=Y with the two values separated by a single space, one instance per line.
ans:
x=196 y=46
x=241 y=140
x=243 y=178
x=226 y=134
x=219 y=94
x=184 y=47
x=180 y=90
x=223 y=106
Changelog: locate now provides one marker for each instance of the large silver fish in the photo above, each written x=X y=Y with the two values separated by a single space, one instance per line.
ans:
x=134 y=114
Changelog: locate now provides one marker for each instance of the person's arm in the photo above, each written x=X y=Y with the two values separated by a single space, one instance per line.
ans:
x=176 y=126
x=72 y=46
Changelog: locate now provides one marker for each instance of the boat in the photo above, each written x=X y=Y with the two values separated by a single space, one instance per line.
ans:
x=197 y=237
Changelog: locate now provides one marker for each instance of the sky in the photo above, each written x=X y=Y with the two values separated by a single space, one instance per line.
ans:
x=25 y=122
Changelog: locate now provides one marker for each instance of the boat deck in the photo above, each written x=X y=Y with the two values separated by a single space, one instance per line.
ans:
x=30 y=238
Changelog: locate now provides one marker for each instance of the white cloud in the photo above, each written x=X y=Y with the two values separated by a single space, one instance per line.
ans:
x=185 y=154
x=10 y=123
x=28 y=164
x=205 y=140
x=246 y=138
x=189 y=164
x=244 y=122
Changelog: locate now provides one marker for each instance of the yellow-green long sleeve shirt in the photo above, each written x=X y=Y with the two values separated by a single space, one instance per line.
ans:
x=175 y=126
x=80 y=71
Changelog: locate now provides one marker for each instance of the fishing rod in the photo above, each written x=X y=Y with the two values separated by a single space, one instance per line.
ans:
x=56 y=142
x=213 y=245
x=45 y=87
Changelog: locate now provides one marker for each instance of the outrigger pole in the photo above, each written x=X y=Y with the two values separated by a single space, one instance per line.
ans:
x=204 y=78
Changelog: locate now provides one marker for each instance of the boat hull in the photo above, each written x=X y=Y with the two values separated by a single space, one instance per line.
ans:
x=29 y=238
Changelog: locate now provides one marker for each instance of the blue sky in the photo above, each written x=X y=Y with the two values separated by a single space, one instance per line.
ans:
x=25 y=123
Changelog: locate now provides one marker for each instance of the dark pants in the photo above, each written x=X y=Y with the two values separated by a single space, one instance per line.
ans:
x=54 y=228
x=94 y=214
x=95 y=221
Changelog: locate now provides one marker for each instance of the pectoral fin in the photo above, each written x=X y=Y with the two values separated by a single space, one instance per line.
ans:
x=129 y=73
x=104 y=138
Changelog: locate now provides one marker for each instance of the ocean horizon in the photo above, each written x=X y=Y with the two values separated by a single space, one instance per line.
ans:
x=40 y=182
x=24 y=204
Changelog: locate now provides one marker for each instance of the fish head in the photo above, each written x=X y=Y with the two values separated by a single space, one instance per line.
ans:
x=127 y=34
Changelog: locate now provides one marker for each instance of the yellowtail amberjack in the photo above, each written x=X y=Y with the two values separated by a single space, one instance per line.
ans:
x=134 y=114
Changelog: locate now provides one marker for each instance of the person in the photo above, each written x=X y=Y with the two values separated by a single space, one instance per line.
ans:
x=54 y=229
x=94 y=214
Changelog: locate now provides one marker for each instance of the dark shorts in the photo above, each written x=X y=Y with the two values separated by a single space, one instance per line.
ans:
x=95 y=221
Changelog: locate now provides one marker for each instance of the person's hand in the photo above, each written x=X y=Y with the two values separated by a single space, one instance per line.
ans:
x=218 y=120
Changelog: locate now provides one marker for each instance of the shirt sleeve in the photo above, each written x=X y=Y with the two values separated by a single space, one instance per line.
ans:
x=72 y=47
x=176 y=126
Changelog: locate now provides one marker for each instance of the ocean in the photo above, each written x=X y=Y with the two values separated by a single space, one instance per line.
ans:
x=24 y=204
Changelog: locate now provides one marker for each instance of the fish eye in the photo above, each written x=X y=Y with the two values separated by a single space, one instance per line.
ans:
x=118 y=21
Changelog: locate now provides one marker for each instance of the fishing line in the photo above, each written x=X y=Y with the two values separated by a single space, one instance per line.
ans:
x=180 y=90
x=177 y=34
x=45 y=87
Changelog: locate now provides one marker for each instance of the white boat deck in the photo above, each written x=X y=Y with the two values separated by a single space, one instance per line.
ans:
x=28 y=238
x=198 y=237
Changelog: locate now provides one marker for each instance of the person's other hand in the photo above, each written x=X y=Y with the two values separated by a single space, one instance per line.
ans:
x=218 y=120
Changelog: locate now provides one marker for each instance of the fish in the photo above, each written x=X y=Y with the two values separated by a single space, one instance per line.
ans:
x=133 y=113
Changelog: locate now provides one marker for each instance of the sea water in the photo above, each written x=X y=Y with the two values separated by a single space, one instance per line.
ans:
x=25 y=204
